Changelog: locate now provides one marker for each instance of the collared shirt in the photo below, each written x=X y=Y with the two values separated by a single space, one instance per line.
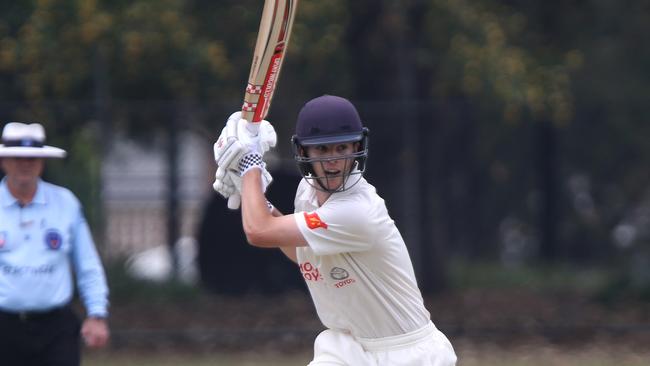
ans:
x=356 y=265
x=41 y=243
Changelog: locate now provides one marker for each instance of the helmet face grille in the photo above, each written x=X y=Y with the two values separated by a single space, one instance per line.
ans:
x=353 y=171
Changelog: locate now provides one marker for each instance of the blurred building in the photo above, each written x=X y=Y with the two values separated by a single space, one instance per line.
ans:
x=135 y=192
x=135 y=198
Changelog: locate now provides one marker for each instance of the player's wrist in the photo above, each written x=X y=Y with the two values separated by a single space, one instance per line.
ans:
x=250 y=161
x=252 y=168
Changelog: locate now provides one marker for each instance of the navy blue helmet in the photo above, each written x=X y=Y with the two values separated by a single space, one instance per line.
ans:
x=330 y=120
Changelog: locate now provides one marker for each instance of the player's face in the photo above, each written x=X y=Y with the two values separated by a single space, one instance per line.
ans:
x=334 y=163
x=22 y=171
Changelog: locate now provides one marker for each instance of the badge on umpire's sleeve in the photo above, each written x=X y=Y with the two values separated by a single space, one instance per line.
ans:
x=53 y=239
x=3 y=238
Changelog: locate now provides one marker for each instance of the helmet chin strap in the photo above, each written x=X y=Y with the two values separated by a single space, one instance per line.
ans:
x=345 y=177
x=322 y=187
x=325 y=189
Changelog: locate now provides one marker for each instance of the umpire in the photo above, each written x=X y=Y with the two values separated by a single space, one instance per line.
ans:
x=45 y=243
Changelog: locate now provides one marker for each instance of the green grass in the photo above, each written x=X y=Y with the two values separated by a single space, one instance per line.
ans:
x=464 y=275
x=544 y=355
x=469 y=355
x=129 y=358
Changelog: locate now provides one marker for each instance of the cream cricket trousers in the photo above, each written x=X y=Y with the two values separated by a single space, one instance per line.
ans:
x=426 y=346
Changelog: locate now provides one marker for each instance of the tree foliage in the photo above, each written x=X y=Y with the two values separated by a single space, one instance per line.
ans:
x=500 y=88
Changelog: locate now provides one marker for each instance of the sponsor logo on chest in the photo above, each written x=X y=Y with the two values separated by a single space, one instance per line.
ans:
x=312 y=273
x=53 y=239
x=341 y=276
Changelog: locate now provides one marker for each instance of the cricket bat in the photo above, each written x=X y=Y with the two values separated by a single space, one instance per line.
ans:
x=270 y=49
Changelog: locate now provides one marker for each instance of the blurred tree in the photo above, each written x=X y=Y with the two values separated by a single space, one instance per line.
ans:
x=473 y=73
x=495 y=63
x=506 y=113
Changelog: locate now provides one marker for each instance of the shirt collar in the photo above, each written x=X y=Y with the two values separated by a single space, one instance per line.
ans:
x=308 y=194
x=39 y=197
x=7 y=199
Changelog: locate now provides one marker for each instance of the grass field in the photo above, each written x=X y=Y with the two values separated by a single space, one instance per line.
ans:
x=538 y=355
x=187 y=359
x=493 y=317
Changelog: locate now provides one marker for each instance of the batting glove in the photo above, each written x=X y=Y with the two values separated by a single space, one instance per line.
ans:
x=223 y=183
x=229 y=185
x=236 y=180
x=237 y=139
x=256 y=138
x=228 y=150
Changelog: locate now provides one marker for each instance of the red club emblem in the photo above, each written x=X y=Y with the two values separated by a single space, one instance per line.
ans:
x=313 y=221
x=53 y=239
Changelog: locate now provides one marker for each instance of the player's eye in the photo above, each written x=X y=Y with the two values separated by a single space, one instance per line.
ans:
x=342 y=148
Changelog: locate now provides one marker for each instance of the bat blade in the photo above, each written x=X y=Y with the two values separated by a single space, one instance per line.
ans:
x=270 y=49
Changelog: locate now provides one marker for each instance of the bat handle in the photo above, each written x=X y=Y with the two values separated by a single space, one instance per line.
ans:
x=234 y=201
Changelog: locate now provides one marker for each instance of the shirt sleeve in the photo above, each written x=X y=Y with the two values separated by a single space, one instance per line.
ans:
x=339 y=226
x=91 y=279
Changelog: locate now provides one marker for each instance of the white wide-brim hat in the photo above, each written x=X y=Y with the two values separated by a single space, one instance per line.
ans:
x=21 y=140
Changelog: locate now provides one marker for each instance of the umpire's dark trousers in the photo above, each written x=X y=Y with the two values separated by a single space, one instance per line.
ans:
x=40 y=338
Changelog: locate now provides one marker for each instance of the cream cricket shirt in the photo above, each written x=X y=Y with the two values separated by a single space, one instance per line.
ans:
x=356 y=266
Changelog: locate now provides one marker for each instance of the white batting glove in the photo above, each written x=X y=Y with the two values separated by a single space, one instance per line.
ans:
x=268 y=137
x=256 y=139
x=228 y=150
x=223 y=183
x=236 y=180
x=230 y=183
x=229 y=186
x=236 y=140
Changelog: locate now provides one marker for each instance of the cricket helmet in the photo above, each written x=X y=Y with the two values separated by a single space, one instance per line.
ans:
x=330 y=120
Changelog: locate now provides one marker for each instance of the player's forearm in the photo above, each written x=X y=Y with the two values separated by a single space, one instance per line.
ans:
x=254 y=210
x=289 y=251
x=262 y=228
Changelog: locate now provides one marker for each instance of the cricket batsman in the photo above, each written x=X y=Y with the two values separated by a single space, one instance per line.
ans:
x=346 y=245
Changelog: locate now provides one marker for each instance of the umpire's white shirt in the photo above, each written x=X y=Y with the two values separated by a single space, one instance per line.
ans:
x=356 y=265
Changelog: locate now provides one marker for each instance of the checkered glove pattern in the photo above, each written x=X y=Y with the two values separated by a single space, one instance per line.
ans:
x=250 y=161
